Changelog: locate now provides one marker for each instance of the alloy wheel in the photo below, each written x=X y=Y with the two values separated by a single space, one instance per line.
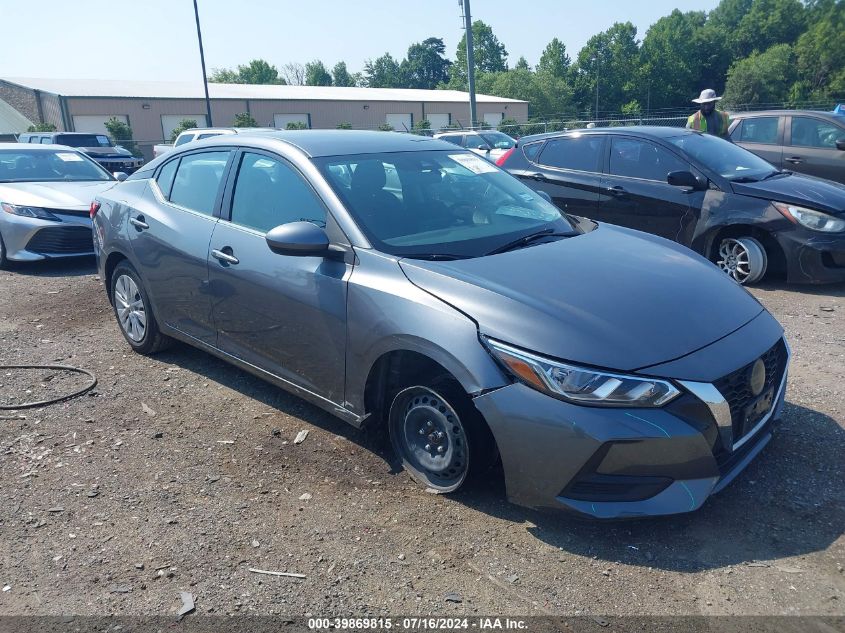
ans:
x=130 y=308
x=428 y=435
x=744 y=259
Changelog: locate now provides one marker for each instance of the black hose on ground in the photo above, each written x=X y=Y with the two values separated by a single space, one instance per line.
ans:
x=44 y=403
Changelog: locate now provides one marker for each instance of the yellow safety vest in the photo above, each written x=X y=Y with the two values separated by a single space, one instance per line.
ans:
x=698 y=122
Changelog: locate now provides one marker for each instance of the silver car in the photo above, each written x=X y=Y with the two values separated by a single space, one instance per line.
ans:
x=490 y=144
x=45 y=195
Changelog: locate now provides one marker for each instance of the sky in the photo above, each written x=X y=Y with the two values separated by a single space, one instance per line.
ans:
x=156 y=39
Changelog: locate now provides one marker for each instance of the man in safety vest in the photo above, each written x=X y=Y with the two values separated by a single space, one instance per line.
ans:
x=708 y=119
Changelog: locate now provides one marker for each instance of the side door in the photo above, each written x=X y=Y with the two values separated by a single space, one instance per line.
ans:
x=762 y=135
x=568 y=169
x=636 y=193
x=812 y=148
x=285 y=314
x=170 y=232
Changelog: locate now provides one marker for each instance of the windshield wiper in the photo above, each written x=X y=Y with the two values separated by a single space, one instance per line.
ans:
x=433 y=257
x=525 y=240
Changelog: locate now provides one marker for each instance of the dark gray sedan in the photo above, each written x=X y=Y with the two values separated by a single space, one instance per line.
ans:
x=406 y=283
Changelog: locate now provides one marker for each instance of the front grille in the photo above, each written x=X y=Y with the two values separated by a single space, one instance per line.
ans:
x=736 y=389
x=80 y=213
x=62 y=240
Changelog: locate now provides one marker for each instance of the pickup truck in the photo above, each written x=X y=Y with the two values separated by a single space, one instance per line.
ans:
x=113 y=158
x=198 y=134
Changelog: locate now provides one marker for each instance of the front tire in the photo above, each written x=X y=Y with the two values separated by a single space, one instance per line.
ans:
x=3 y=259
x=134 y=313
x=439 y=436
x=744 y=259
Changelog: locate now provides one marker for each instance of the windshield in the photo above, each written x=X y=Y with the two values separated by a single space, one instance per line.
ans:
x=498 y=140
x=83 y=140
x=723 y=157
x=448 y=203
x=22 y=165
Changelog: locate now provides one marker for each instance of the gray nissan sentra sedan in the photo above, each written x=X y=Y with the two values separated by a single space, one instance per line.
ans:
x=400 y=281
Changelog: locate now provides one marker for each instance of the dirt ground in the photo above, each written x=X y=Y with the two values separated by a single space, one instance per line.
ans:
x=179 y=473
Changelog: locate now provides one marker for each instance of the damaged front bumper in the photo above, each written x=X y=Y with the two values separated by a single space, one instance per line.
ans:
x=813 y=257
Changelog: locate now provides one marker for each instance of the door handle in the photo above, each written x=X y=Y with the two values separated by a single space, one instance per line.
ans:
x=139 y=222
x=795 y=160
x=224 y=257
x=537 y=176
x=617 y=191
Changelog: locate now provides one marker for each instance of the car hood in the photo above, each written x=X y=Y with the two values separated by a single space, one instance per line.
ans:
x=612 y=298
x=799 y=189
x=106 y=152
x=53 y=195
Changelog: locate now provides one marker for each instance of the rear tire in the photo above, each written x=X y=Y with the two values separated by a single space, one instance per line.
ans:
x=439 y=436
x=744 y=259
x=134 y=313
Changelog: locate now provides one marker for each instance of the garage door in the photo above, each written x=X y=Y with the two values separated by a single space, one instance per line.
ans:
x=95 y=123
x=282 y=120
x=438 y=121
x=493 y=118
x=401 y=122
x=170 y=122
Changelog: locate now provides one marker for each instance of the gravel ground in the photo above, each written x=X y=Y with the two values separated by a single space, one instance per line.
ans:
x=179 y=473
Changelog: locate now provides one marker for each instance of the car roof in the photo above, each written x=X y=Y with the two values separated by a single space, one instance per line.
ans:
x=317 y=143
x=37 y=147
x=756 y=113
x=643 y=131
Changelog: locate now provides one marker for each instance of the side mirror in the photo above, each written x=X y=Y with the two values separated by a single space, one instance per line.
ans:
x=120 y=175
x=683 y=179
x=545 y=196
x=840 y=144
x=298 y=238
x=484 y=148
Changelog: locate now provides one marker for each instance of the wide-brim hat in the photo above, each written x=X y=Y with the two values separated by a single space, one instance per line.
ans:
x=707 y=96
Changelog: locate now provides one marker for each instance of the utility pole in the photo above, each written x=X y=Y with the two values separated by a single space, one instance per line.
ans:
x=470 y=63
x=202 y=61
x=597 y=87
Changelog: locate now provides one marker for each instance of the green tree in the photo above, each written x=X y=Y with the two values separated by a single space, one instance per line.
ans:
x=345 y=125
x=296 y=125
x=489 y=55
x=184 y=124
x=341 y=76
x=522 y=64
x=769 y=22
x=244 y=119
x=762 y=78
x=820 y=52
x=547 y=96
x=554 y=60
x=383 y=72
x=385 y=127
x=121 y=134
x=41 y=127
x=257 y=71
x=316 y=74
x=422 y=127
x=425 y=65
x=613 y=57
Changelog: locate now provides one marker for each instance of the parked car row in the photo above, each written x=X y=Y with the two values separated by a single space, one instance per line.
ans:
x=411 y=284
x=200 y=134
x=98 y=146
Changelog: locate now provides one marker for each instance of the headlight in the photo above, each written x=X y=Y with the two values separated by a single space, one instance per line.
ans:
x=582 y=385
x=29 y=212
x=815 y=220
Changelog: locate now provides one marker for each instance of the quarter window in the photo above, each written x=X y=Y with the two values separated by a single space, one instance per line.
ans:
x=580 y=153
x=474 y=141
x=198 y=180
x=269 y=192
x=166 y=176
x=640 y=159
x=452 y=138
x=183 y=139
x=808 y=132
x=762 y=129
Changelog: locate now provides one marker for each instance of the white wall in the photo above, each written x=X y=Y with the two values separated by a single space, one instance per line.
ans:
x=438 y=121
x=281 y=120
x=493 y=118
x=95 y=123
x=400 y=121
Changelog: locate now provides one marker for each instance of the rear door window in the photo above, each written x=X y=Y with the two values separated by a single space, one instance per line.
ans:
x=198 y=179
x=578 y=153
x=635 y=158
x=762 y=129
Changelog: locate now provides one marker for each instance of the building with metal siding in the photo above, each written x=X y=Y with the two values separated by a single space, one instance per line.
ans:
x=153 y=108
